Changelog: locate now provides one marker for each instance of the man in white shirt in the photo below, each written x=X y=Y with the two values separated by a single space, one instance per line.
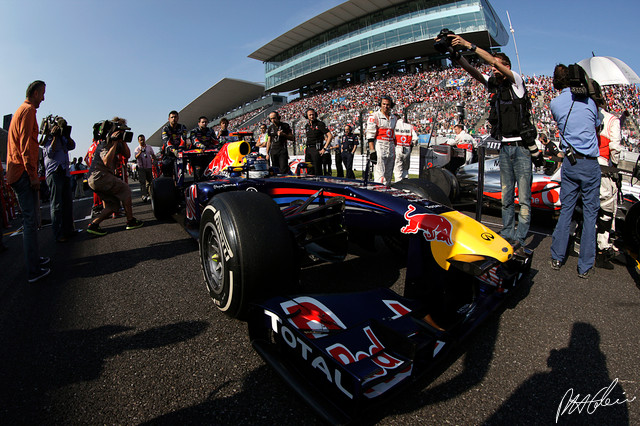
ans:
x=406 y=138
x=463 y=140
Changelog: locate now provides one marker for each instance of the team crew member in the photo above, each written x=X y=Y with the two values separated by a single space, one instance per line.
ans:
x=609 y=143
x=279 y=133
x=174 y=138
x=263 y=141
x=318 y=140
x=509 y=118
x=379 y=134
x=577 y=119
x=335 y=147
x=463 y=140
x=348 y=144
x=202 y=136
x=224 y=128
x=406 y=137
x=549 y=149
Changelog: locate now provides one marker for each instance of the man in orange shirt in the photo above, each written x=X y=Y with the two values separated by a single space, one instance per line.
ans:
x=22 y=175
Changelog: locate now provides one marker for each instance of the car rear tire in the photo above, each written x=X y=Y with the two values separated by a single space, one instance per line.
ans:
x=425 y=189
x=164 y=201
x=631 y=229
x=246 y=251
x=444 y=179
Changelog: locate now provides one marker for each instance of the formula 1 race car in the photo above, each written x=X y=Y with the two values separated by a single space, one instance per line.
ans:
x=545 y=190
x=341 y=352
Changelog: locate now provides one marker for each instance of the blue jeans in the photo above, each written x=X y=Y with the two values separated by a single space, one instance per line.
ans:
x=28 y=200
x=515 y=167
x=61 y=204
x=581 y=179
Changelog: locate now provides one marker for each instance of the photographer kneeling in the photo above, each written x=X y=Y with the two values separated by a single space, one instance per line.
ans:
x=102 y=178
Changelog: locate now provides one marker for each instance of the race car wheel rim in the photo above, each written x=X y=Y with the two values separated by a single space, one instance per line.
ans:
x=214 y=261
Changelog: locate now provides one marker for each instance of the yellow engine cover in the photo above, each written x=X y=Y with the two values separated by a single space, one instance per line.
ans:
x=237 y=151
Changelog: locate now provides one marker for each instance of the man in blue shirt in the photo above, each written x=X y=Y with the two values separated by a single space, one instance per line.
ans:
x=57 y=144
x=577 y=119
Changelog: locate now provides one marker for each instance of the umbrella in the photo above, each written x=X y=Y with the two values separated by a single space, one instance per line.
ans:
x=608 y=70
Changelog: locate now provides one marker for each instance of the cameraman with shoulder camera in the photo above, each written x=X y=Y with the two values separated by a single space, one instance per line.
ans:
x=577 y=119
x=510 y=124
x=56 y=146
x=102 y=178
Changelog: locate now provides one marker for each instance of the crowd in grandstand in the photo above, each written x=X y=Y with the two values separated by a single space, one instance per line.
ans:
x=431 y=104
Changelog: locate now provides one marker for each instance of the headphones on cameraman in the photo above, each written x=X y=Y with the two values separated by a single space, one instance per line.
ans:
x=389 y=98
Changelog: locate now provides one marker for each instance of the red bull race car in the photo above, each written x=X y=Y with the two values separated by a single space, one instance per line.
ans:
x=343 y=353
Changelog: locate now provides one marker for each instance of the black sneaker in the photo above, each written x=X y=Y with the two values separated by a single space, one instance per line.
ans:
x=43 y=272
x=134 y=223
x=44 y=261
x=555 y=264
x=95 y=229
x=586 y=274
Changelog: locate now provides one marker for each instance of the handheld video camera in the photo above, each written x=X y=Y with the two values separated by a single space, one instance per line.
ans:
x=104 y=129
x=443 y=41
x=582 y=85
x=55 y=126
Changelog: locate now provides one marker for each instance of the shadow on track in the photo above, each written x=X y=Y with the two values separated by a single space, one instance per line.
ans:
x=36 y=364
x=578 y=372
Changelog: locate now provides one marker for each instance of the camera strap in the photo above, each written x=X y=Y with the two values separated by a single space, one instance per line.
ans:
x=565 y=127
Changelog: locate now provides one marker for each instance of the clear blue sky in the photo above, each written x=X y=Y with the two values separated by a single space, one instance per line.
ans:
x=139 y=59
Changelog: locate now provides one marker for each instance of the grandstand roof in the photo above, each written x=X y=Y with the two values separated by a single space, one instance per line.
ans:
x=340 y=14
x=223 y=96
x=345 y=13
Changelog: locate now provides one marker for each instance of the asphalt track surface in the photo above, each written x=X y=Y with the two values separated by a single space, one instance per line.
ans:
x=123 y=332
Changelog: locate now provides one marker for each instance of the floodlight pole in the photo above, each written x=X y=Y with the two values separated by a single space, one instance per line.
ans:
x=514 y=42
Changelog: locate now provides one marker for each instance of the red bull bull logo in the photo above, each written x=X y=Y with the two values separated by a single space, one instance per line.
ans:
x=219 y=163
x=231 y=154
x=434 y=227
